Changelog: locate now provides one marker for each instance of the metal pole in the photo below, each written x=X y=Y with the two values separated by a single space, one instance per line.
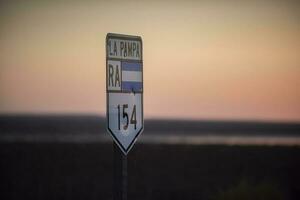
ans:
x=120 y=174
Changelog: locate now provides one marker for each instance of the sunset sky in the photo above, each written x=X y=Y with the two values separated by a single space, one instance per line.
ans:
x=227 y=60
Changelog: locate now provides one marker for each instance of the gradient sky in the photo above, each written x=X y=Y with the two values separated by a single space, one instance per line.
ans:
x=202 y=59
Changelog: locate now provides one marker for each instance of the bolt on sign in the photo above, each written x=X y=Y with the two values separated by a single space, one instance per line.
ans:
x=124 y=88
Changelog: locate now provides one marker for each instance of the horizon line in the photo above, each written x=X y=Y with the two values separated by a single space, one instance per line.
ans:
x=151 y=118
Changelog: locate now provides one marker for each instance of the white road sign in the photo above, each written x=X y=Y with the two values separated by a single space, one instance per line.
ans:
x=124 y=88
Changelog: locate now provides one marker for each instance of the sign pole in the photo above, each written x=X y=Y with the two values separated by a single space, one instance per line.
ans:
x=120 y=174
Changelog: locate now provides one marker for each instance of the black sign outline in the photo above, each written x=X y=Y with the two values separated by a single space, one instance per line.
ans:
x=130 y=38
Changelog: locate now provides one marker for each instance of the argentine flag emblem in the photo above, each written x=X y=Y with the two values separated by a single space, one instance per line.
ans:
x=131 y=77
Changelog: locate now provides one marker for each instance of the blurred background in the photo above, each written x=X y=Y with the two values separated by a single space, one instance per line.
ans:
x=221 y=99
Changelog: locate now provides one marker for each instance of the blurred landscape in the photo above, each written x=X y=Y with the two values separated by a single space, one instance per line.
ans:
x=71 y=157
x=234 y=63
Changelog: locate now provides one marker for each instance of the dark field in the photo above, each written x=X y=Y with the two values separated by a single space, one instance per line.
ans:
x=55 y=169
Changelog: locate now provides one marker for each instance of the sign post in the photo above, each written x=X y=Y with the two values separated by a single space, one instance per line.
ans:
x=124 y=101
x=120 y=174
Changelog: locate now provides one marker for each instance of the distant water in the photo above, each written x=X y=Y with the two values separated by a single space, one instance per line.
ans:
x=92 y=129
x=227 y=140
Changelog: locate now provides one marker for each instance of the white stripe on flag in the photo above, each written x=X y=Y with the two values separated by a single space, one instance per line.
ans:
x=133 y=76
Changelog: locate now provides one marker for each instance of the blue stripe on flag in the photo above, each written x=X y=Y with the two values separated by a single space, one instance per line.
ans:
x=131 y=66
x=132 y=86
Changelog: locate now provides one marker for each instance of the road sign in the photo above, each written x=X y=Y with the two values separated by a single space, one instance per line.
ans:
x=124 y=88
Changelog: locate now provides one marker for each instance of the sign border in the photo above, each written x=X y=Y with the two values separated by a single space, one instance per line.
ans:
x=123 y=37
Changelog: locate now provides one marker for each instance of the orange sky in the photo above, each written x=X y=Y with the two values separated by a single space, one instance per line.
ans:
x=202 y=59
